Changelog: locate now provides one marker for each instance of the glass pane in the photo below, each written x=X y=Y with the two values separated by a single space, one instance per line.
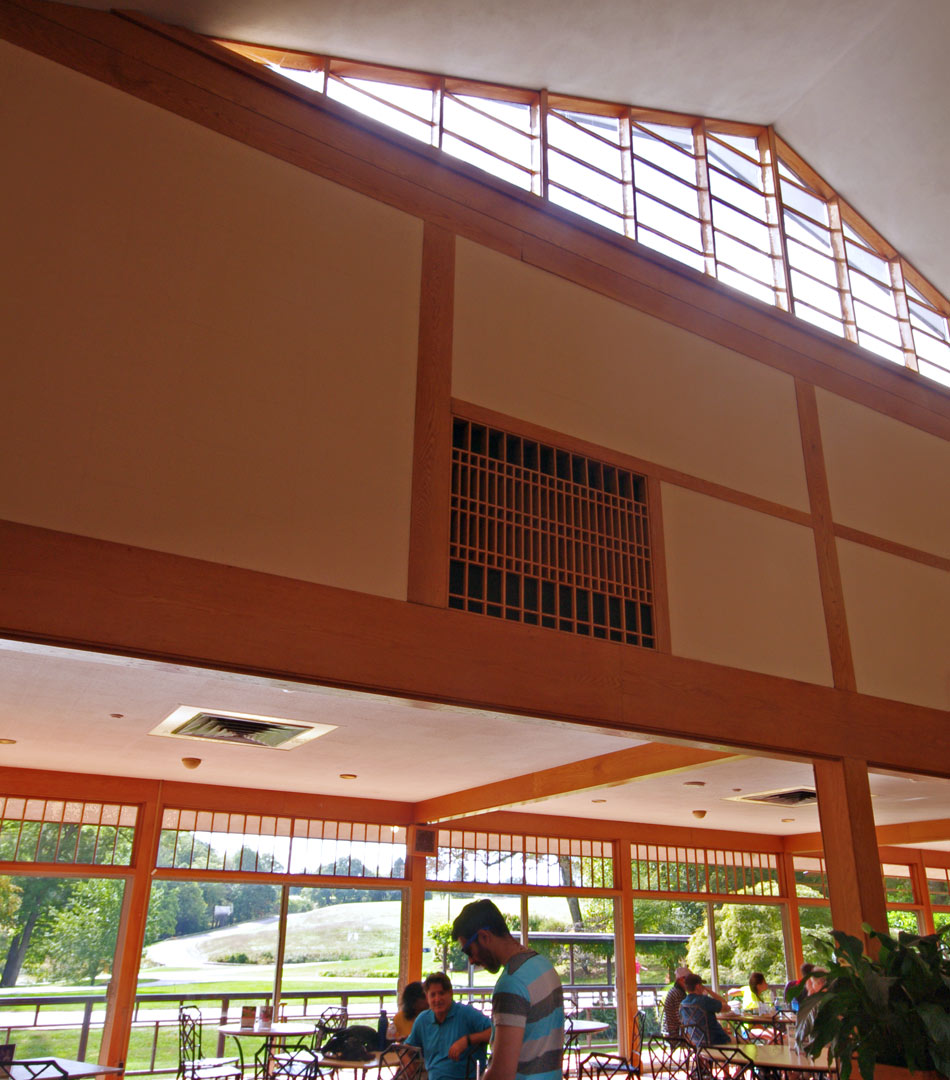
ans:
x=749 y=938
x=765 y=293
x=674 y=251
x=796 y=199
x=743 y=258
x=313 y=80
x=941 y=918
x=805 y=232
x=652 y=143
x=669 y=222
x=875 y=345
x=735 y=164
x=904 y=920
x=753 y=232
x=588 y=144
x=502 y=169
x=875 y=322
x=812 y=292
x=357 y=94
x=665 y=931
x=477 y=119
x=569 y=174
x=814 y=920
x=736 y=194
x=868 y=263
x=577 y=935
x=586 y=209
x=811 y=262
x=818 y=318
x=653 y=182
x=938 y=374
x=342 y=937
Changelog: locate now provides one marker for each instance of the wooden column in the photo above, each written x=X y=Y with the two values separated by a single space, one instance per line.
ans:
x=624 y=931
x=791 y=924
x=918 y=874
x=120 y=996
x=432 y=445
x=413 y=913
x=855 y=884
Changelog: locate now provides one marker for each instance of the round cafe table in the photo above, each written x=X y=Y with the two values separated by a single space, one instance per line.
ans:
x=273 y=1035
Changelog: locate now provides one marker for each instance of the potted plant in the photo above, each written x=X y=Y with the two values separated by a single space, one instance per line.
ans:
x=893 y=1010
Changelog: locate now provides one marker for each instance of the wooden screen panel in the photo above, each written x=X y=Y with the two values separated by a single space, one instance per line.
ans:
x=656 y=868
x=66 y=831
x=271 y=844
x=489 y=858
x=544 y=536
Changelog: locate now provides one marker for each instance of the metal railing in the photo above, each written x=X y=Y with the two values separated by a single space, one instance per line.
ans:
x=47 y=1024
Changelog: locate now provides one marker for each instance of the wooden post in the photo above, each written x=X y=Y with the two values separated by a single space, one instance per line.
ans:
x=413 y=915
x=624 y=930
x=855 y=884
x=791 y=924
x=120 y=996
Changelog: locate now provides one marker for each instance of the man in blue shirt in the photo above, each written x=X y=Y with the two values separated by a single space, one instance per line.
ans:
x=698 y=1014
x=528 y=1002
x=451 y=1036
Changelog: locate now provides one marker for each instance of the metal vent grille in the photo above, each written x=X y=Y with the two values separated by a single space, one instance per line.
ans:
x=238 y=729
x=789 y=797
x=548 y=537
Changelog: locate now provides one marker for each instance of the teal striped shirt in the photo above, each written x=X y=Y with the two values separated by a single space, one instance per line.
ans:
x=528 y=995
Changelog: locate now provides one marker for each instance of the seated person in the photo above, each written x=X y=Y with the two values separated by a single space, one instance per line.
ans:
x=413 y=1002
x=756 y=993
x=447 y=1031
x=698 y=1014
x=671 y=1004
x=791 y=987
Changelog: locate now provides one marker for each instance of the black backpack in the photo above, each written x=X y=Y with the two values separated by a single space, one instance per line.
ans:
x=355 y=1043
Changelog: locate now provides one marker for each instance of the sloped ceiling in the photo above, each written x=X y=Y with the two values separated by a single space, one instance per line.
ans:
x=858 y=87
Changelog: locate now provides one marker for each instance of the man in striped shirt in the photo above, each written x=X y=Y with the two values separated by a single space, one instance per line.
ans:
x=528 y=1002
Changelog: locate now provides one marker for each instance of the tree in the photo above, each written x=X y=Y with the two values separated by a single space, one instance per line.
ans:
x=193 y=916
x=254 y=901
x=40 y=899
x=162 y=911
x=82 y=938
x=450 y=955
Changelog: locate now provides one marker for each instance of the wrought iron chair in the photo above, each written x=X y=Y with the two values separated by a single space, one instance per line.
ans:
x=192 y=1065
x=694 y=1026
x=614 y=1066
x=294 y=1060
x=666 y=1057
x=723 y=1062
x=404 y=1062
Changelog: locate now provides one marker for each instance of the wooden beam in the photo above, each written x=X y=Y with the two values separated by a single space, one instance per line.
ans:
x=74 y=591
x=829 y=574
x=605 y=770
x=855 y=884
x=904 y=832
x=432 y=445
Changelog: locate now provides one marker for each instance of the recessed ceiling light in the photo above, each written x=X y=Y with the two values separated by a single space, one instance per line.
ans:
x=699 y=813
x=191 y=762
x=788 y=819
x=347 y=775
x=737 y=789
x=117 y=715
x=694 y=783
x=7 y=742
x=598 y=800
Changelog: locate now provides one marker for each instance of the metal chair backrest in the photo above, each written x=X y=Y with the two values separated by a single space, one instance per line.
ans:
x=46 y=1068
x=189 y=1034
x=666 y=1054
x=724 y=1062
x=694 y=1025
x=332 y=1019
x=409 y=1062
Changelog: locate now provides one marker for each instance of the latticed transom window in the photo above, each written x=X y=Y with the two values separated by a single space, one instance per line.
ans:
x=66 y=831
x=938 y=884
x=544 y=536
x=488 y=858
x=216 y=840
x=661 y=869
x=811 y=879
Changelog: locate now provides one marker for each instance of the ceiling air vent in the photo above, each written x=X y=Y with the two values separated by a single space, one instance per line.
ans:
x=786 y=797
x=238 y=729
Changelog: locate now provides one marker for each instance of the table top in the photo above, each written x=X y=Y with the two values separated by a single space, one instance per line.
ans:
x=579 y=1026
x=75 y=1070
x=279 y=1027
x=782 y=1057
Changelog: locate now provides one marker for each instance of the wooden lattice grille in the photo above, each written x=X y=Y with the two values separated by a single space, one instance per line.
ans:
x=217 y=840
x=545 y=536
x=659 y=869
x=489 y=858
x=66 y=831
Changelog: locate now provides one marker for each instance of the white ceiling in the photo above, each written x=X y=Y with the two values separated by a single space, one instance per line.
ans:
x=858 y=87
x=74 y=711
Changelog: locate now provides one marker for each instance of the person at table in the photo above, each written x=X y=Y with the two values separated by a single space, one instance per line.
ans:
x=447 y=1030
x=756 y=993
x=413 y=1002
x=671 y=1003
x=817 y=981
x=792 y=987
x=698 y=1009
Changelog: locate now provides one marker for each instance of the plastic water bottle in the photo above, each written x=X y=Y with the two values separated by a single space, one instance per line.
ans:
x=381 y=1025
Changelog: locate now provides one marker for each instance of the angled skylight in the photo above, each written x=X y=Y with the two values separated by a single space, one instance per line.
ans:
x=728 y=199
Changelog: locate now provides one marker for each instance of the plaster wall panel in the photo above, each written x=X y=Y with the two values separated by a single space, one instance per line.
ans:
x=535 y=346
x=899 y=624
x=886 y=477
x=743 y=588
x=215 y=351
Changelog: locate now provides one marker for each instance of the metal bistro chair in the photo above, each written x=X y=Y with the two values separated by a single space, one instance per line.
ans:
x=666 y=1057
x=614 y=1066
x=191 y=1064
x=723 y=1062
x=301 y=1060
x=35 y=1069
x=405 y=1062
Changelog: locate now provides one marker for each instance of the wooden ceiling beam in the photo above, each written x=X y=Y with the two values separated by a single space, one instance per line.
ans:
x=904 y=832
x=605 y=770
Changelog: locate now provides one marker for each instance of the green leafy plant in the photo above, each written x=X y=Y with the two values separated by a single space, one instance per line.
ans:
x=892 y=1010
